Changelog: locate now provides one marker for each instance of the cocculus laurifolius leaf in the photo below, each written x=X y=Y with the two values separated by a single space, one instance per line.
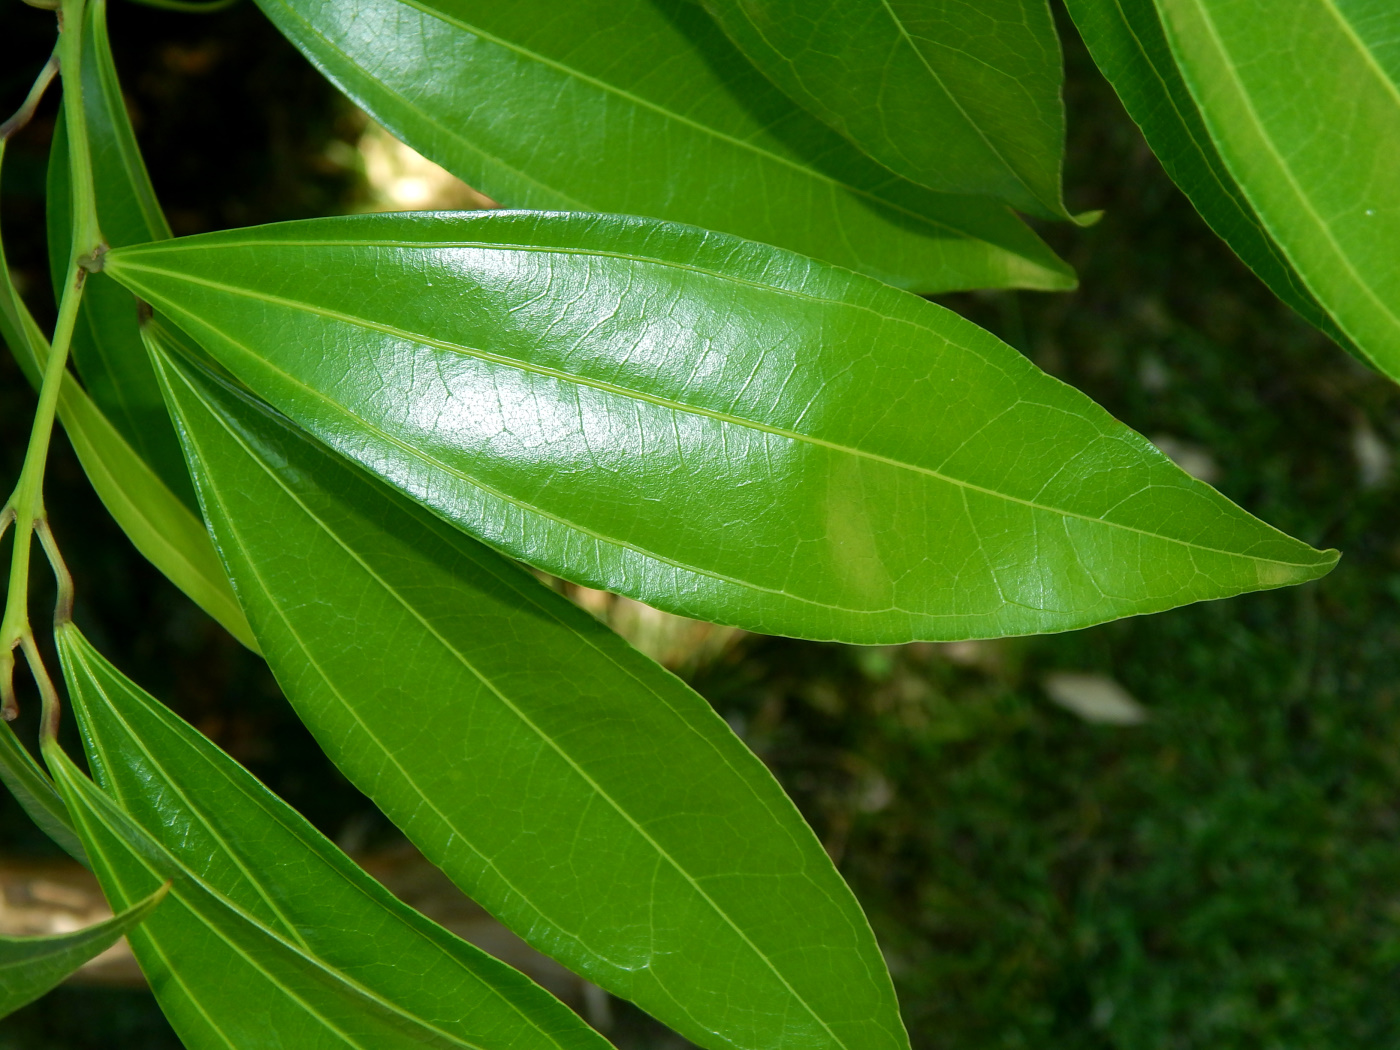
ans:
x=1128 y=43
x=31 y=966
x=717 y=427
x=1303 y=101
x=272 y=936
x=643 y=107
x=958 y=97
x=586 y=797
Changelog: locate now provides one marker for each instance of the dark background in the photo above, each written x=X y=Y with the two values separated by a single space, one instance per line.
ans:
x=1225 y=875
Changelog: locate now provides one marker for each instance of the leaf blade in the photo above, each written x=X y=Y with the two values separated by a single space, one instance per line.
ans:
x=1314 y=163
x=33 y=966
x=761 y=452
x=691 y=885
x=955 y=98
x=709 y=141
x=1129 y=45
x=245 y=845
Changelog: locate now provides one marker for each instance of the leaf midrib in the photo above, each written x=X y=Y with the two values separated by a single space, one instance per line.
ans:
x=626 y=392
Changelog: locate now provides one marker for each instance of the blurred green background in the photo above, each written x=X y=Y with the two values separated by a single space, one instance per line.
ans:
x=1224 y=874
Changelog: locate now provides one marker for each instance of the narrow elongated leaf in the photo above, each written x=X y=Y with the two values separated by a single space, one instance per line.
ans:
x=107 y=348
x=1126 y=39
x=961 y=98
x=230 y=981
x=713 y=426
x=31 y=966
x=159 y=524
x=585 y=796
x=1304 y=105
x=239 y=842
x=643 y=107
x=35 y=793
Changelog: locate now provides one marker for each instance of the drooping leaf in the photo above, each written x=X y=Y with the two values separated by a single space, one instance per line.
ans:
x=958 y=97
x=34 y=791
x=643 y=107
x=1303 y=103
x=159 y=524
x=31 y=966
x=582 y=794
x=235 y=840
x=107 y=348
x=1126 y=39
x=716 y=427
x=227 y=979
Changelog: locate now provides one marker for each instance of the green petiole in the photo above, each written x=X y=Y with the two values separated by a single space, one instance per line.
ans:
x=25 y=507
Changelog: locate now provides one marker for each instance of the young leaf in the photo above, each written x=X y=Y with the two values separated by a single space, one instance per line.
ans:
x=1126 y=39
x=716 y=427
x=643 y=107
x=961 y=98
x=107 y=346
x=160 y=525
x=234 y=840
x=34 y=791
x=227 y=980
x=585 y=796
x=31 y=966
x=1304 y=105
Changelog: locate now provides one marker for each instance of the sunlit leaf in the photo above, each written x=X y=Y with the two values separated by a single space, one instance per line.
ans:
x=1304 y=105
x=713 y=426
x=1126 y=39
x=958 y=97
x=31 y=966
x=585 y=796
x=643 y=107
x=252 y=873
x=107 y=347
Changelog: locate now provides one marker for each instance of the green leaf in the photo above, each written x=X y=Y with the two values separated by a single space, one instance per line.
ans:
x=31 y=966
x=958 y=97
x=715 y=427
x=284 y=885
x=643 y=107
x=1126 y=39
x=107 y=348
x=1304 y=106
x=35 y=793
x=227 y=980
x=583 y=795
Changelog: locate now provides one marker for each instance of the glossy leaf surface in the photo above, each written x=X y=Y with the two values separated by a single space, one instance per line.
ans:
x=31 y=966
x=643 y=107
x=713 y=426
x=159 y=524
x=582 y=794
x=107 y=347
x=958 y=97
x=1304 y=105
x=232 y=840
x=1128 y=43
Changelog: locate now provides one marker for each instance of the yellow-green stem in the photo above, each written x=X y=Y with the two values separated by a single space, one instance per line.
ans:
x=26 y=505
